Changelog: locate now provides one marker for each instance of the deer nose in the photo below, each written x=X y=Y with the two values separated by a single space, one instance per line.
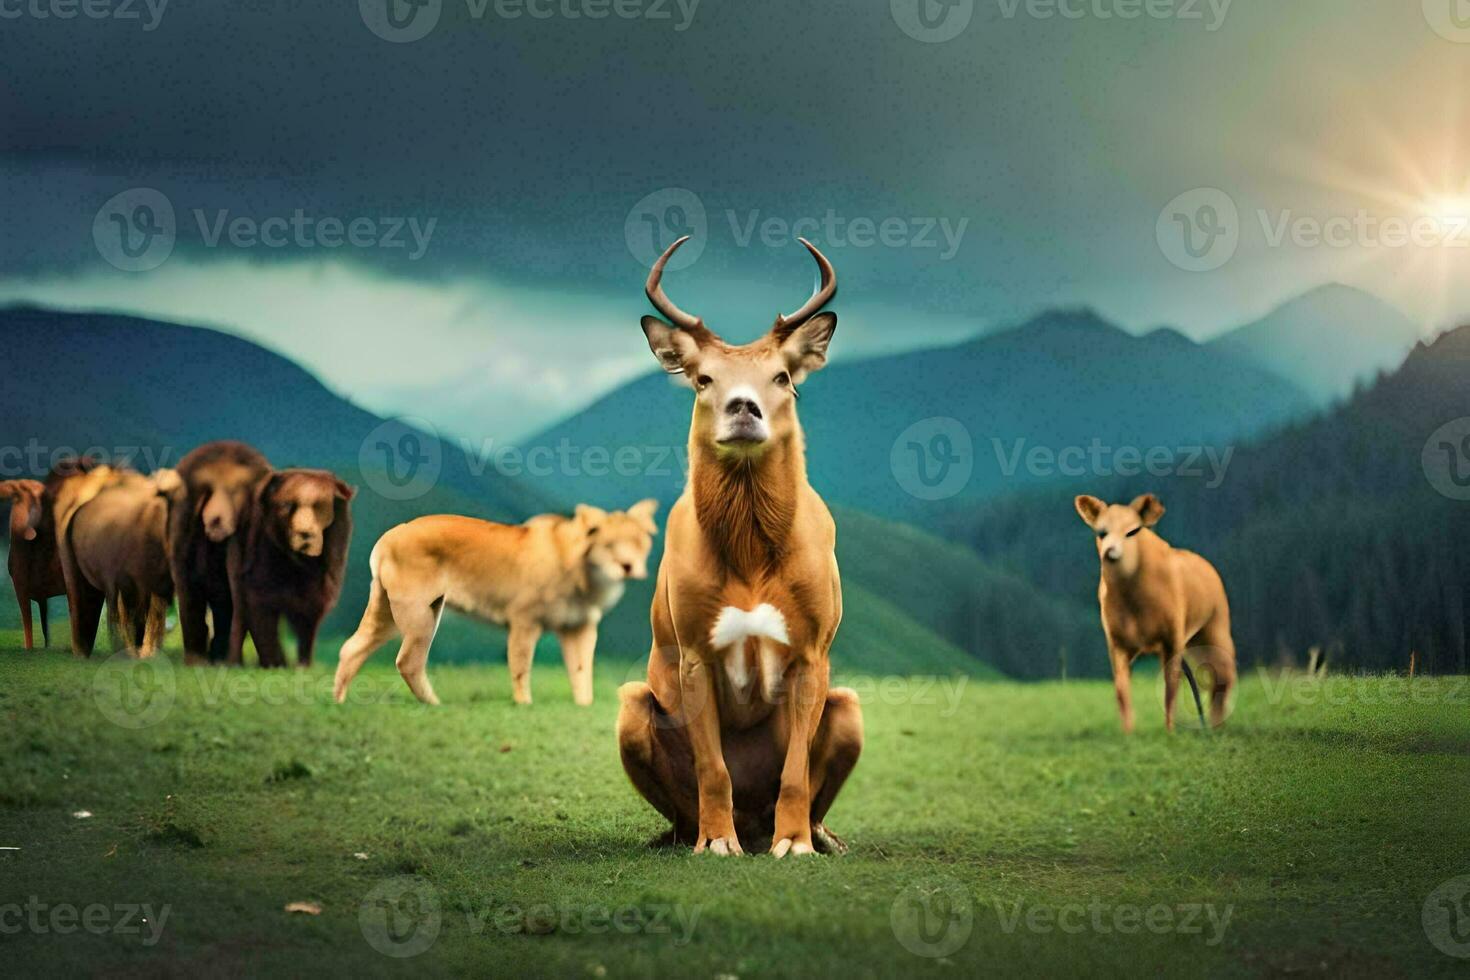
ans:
x=742 y=406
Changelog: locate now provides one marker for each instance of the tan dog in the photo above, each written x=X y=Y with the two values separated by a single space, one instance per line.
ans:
x=1158 y=599
x=736 y=732
x=111 y=537
x=550 y=573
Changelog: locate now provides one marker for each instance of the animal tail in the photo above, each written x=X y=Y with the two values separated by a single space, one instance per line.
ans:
x=1194 y=689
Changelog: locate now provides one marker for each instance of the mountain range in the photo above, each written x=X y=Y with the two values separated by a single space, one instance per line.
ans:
x=149 y=392
x=985 y=578
x=1326 y=342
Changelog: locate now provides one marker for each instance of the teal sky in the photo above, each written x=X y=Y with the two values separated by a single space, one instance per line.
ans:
x=1048 y=147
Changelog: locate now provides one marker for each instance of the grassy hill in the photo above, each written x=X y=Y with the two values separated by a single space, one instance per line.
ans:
x=482 y=836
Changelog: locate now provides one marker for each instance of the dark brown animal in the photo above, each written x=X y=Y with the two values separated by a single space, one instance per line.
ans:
x=293 y=555
x=219 y=479
x=111 y=528
x=35 y=568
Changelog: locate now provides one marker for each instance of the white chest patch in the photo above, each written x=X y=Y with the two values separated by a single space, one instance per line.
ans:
x=734 y=626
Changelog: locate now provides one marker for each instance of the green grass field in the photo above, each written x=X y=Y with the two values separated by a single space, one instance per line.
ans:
x=993 y=826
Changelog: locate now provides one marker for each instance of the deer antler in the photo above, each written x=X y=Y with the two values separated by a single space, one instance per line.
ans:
x=823 y=295
x=660 y=299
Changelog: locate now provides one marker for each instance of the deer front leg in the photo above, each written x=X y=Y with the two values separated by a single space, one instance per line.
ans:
x=801 y=712
x=699 y=709
x=1122 y=685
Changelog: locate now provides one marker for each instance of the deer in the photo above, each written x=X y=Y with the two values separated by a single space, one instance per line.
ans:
x=736 y=733
x=1156 y=598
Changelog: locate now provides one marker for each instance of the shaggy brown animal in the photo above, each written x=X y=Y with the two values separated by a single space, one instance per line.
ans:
x=34 y=570
x=293 y=554
x=35 y=567
x=218 y=481
x=111 y=527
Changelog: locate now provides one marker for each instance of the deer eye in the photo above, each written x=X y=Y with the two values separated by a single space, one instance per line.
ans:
x=783 y=379
x=1101 y=535
x=1135 y=530
x=703 y=381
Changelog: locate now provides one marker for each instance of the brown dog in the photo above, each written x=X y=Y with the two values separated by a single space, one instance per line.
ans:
x=295 y=530
x=550 y=573
x=218 y=480
x=34 y=569
x=736 y=734
x=110 y=534
x=1158 y=599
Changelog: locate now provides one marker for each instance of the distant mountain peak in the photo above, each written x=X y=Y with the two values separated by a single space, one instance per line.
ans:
x=1327 y=340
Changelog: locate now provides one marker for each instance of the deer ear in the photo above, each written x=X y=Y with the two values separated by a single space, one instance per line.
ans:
x=805 y=349
x=673 y=347
x=1089 y=508
x=1149 y=509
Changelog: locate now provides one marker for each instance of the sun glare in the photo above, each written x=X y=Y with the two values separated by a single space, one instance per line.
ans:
x=1448 y=207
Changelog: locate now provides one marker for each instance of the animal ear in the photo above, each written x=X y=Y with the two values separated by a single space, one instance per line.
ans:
x=1149 y=509
x=674 y=348
x=643 y=512
x=590 y=517
x=167 y=482
x=265 y=487
x=805 y=348
x=343 y=489
x=1090 y=508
